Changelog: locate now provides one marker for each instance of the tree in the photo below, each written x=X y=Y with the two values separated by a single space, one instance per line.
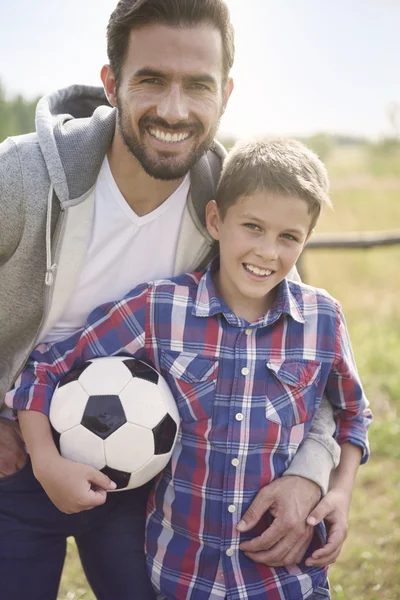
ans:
x=17 y=115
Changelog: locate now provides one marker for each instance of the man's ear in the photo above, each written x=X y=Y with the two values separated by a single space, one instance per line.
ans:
x=109 y=84
x=213 y=219
x=228 y=89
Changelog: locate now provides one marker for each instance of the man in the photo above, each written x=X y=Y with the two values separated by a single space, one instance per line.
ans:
x=92 y=205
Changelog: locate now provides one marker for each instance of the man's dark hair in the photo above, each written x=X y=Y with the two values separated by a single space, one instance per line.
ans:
x=129 y=14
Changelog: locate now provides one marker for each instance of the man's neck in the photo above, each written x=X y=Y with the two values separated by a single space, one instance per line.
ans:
x=142 y=192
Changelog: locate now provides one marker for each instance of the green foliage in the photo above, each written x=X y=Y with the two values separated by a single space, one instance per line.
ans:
x=322 y=144
x=17 y=115
x=384 y=157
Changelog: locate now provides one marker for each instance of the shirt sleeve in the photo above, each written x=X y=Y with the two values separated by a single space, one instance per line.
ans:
x=319 y=453
x=345 y=393
x=111 y=329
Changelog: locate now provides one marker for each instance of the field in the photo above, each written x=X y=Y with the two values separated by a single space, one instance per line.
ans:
x=366 y=194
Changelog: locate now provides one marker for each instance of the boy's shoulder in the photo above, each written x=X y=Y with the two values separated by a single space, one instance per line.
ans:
x=175 y=285
x=310 y=297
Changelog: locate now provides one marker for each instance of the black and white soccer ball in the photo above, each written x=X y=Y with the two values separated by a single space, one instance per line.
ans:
x=118 y=415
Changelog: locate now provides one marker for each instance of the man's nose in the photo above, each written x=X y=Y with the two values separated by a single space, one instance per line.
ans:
x=173 y=107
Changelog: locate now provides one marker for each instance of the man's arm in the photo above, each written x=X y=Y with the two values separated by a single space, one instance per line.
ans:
x=11 y=197
x=12 y=449
x=319 y=453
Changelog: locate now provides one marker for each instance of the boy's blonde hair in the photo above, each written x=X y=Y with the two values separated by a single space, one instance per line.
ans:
x=284 y=166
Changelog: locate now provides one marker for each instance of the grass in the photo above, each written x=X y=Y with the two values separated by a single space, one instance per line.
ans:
x=367 y=197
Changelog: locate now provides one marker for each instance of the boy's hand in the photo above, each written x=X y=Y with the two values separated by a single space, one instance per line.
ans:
x=73 y=486
x=334 y=508
x=12 y=448
x=290 y=500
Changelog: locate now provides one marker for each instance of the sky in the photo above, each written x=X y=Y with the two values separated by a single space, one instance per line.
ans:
x=301 y=67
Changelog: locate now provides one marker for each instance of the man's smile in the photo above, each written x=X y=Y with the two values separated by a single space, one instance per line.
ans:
x=170 y=138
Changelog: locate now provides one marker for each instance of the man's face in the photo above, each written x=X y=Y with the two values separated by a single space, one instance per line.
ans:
x=170 y=96
x=260 y=239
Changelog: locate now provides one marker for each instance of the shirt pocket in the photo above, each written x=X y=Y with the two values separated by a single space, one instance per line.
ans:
x=291 y=391
x=192 y=379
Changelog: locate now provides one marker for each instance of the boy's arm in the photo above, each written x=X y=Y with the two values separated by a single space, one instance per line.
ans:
x=71 y=486
x=112 y=328
x=334 y=507
x=288 y=534
x=346 y=394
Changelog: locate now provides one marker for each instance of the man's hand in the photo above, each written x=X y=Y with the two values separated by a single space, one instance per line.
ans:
x=290 y=500
x=12 y=448
x=73 y=486
x=334 y=508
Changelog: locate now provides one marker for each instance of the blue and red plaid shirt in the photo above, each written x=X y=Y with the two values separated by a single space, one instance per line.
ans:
x=247 y=394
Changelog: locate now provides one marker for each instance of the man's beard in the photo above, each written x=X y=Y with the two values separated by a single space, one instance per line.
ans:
x=166 y=167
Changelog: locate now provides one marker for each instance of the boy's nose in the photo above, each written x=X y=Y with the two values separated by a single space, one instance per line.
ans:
x=173 y=107
x=268 y=250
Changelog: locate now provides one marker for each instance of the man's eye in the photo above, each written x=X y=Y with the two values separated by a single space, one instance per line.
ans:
x=198 y=86
x=152 y=81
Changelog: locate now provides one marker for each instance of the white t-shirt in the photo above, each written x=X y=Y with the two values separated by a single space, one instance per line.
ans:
x=124 y=250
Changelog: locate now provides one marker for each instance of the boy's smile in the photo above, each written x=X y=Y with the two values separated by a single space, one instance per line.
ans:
x=260 y=237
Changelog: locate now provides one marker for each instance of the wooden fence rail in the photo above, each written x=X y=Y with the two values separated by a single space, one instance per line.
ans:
x=365 y=239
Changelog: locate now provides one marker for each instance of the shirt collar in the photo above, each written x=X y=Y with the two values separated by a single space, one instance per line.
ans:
x=208 y=302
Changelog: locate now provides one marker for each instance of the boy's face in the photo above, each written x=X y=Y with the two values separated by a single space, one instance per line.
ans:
x=260 y=238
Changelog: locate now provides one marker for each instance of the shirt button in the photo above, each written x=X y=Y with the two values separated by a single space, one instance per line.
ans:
x=232 y=508
x=229 y=552
x=245 y=371
x=239 y=417
x=248 y=332
x=235 y=462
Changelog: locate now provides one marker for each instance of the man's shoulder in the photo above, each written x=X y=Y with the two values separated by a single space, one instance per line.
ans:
x=12 y=149
x=204 y=178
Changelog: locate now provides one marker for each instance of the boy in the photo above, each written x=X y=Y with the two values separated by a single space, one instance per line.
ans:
x=248 y=356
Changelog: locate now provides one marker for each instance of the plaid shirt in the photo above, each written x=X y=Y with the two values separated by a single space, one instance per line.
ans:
x=246 y=394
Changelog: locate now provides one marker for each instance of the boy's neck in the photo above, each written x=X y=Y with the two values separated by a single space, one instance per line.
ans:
x=249 y=309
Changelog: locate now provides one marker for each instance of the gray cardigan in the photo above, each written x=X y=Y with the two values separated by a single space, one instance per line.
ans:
x=46 y=209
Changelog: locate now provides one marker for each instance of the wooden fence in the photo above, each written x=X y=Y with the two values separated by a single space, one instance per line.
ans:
x=351 y=239
x=365 y=239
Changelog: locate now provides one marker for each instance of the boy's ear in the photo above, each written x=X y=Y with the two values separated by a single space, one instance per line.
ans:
x=308 y=237
x=213 y=219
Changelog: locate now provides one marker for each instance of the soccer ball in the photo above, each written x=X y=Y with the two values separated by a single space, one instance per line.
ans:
x=118 y=415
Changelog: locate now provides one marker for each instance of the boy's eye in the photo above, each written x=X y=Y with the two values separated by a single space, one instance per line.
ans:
x=290 y=237
x=251 y=226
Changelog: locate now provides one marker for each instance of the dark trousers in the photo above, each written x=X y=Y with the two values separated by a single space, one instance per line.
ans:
x=33 y=532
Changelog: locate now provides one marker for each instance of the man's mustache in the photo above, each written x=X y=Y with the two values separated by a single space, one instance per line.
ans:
x=182 y=125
